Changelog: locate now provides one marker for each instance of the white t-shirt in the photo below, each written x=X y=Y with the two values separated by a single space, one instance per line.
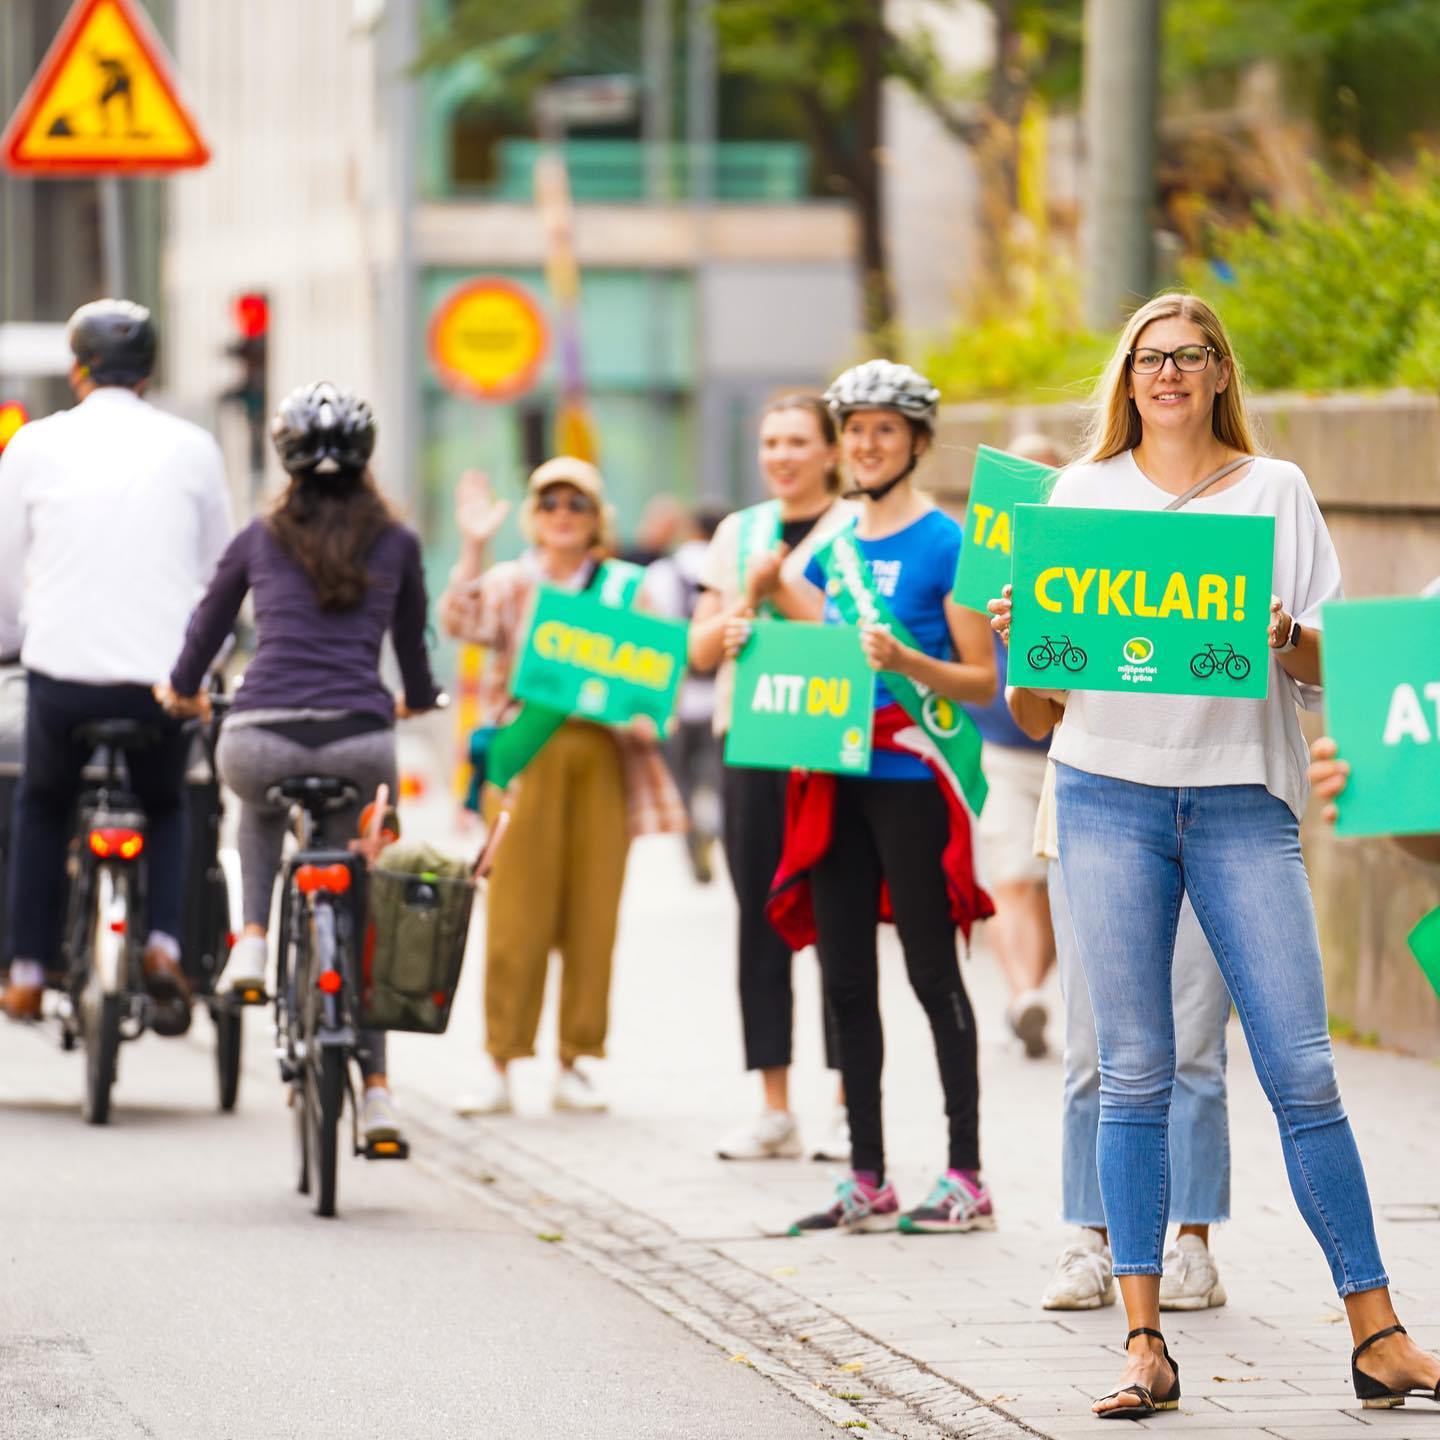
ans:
x=1191 y=740
x=113 y=516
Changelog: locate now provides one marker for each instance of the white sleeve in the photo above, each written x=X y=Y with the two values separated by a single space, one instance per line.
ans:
x=14 y=541
x=216 y=527
x=1308 y=577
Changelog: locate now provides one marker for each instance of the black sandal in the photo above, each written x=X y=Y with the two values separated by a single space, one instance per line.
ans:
x=1374 y=1395
x=1148 y=1405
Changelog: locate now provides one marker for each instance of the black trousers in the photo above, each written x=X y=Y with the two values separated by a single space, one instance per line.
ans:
x=753 y=808
x=895 y=830
x=45 y=807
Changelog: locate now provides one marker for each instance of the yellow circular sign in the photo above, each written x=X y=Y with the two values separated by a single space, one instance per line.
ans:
x=488 y=340
x=12 y=417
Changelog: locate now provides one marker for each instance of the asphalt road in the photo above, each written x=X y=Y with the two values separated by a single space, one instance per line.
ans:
x=160 y=1278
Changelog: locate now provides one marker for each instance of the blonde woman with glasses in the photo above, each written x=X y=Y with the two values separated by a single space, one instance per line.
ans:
x=1163 y=797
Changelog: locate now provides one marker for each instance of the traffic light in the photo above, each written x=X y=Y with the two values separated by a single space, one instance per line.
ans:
x=250 y=346
x=12 y=417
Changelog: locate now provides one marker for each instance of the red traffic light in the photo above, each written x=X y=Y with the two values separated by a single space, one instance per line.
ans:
x=12 y=416
x=252 y=315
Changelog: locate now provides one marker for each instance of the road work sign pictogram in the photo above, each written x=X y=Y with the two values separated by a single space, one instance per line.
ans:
x=103 y=102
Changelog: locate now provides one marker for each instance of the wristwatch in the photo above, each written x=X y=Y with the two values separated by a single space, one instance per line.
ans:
x=1294 y=639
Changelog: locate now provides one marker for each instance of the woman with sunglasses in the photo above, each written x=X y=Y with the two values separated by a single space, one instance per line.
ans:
x=1161 y=797
x=557 y=879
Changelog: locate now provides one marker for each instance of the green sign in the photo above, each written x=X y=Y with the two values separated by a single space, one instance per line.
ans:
x=999 y=483
x=596 y=662
x=804 y=697
x=1381 y=662
x=1425 y=947
x=1168 y=603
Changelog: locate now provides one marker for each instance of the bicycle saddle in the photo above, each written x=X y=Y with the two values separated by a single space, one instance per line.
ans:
x=327 y=790
x=117 y=734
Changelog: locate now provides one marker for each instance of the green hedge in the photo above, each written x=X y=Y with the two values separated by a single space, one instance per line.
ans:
x=1341 y=294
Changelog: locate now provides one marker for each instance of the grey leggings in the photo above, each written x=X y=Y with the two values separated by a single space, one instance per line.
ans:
x=251 y=759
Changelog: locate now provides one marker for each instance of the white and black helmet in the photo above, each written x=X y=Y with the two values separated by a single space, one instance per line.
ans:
x=885 y=385
x=320 y=427
x=114 y=341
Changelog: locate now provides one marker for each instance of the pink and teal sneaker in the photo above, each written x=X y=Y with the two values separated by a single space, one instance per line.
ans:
x=858 y=1208
x=959 y=1202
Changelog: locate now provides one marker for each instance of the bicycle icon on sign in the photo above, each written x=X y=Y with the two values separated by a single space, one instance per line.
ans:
x=1056 y=651
x=1215 y=658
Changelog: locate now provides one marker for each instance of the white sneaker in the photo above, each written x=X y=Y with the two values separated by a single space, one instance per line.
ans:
x=245 y=968
x=771 y=1135
x=575 y=1090
x=1084 y=1277
x=491 y=1097
x=1028 y=1017
x=377 y=1114
x=1190 y=1280
x=833 y=1145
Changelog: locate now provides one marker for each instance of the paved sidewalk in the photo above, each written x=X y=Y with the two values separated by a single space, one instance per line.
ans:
x=1274 y=1362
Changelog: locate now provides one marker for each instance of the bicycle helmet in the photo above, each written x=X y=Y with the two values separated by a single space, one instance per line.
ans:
x=320 y=428
x=885 y=385
x=113 y=341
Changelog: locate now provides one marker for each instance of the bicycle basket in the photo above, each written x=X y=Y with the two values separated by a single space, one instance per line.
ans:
x=419 y=904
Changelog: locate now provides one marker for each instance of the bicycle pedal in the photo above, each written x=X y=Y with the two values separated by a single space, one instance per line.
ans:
x=386 y=1150
x=250 y=995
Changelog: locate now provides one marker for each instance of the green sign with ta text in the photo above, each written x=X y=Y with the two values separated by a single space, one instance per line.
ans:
x=1149 y=601
x=804 y=697
x=998 y=484
x=1381 y=661
x=596 y=662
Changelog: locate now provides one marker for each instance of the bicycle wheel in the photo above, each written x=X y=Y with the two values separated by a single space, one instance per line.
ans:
x=1074 y=659
x=1237 y=667
x=1039 y=657
x=324 y=1097
x=99 y=999
x=229 y=1037
x=1202 y=666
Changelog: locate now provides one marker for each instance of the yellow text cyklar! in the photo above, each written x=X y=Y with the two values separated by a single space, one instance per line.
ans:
x=601 y=654
x=1065 y=591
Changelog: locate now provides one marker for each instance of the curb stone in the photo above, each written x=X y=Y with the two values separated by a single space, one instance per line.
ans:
x=800 y=1345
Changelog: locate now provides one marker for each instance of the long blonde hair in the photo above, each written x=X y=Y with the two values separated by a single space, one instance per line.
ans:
x=1115 y=425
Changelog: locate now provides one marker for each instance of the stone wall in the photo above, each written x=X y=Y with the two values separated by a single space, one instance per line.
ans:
x=1374 y=464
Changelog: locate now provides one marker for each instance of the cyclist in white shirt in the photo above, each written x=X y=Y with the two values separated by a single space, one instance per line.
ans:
x=112 y=518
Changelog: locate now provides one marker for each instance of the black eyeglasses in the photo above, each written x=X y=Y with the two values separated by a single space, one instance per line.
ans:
x=576 y=504
x=1188 y=357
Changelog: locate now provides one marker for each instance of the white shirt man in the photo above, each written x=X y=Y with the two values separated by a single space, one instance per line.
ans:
x=112 y=518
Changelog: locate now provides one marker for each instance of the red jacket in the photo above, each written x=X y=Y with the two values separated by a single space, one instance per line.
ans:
x=810 y=822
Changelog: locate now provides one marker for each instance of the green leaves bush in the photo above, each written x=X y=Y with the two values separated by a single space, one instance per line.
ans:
x=1342 y=294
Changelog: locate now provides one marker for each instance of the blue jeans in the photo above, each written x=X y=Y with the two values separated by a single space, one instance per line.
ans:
x=1200 y=1129
x=1129 y=854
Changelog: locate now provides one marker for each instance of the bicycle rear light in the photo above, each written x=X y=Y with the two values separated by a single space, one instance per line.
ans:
x=332 y=879
x=114 y=842
x=328 y=982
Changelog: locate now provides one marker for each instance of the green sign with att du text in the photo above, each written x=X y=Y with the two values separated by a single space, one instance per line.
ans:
x=1147 y=601
x=999 y=483
x=804 y=697
x=597 y=662
x=1381 y=662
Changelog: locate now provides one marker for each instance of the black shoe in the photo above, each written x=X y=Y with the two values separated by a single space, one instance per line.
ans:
x=1150 y=1404
x=169 y=991
x=1370 y=1392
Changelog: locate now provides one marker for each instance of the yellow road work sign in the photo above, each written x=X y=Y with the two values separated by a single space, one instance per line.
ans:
x=104 y=100
x=488 y=339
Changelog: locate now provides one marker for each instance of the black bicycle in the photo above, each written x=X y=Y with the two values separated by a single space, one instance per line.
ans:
x=317 y=986
x=1214 y=659
x=106 y=916
x=1056 y=651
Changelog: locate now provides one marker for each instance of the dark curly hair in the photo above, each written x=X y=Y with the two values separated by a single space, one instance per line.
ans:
x=327 y=524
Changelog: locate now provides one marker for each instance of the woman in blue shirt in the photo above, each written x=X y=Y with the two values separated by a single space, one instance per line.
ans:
x=897 y=840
